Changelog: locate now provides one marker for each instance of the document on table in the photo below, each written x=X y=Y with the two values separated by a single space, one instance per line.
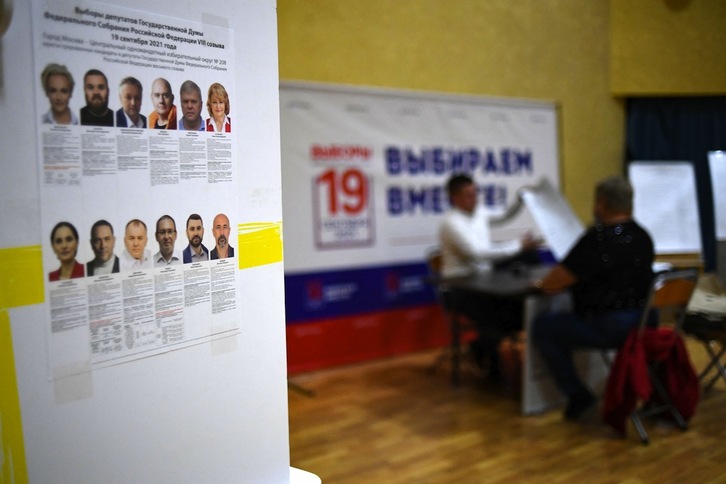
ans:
x=555 y=218
x=709 y=298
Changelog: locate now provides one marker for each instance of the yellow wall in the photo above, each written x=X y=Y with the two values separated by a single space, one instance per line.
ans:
x=668 y=47
x=583 y=54
x=543 y=49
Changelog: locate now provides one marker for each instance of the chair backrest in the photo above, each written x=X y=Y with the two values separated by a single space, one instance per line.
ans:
x=434 y=261
x=671 y=291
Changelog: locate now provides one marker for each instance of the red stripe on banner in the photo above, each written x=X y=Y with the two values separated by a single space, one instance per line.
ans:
x=351 y=339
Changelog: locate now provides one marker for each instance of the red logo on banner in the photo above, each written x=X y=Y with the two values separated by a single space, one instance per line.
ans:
x=315 y=290
x=392 y=283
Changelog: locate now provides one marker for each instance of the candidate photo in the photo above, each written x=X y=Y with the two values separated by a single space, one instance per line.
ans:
x=135 y=255
x=64 y=241
x=58 y=85
x=164 y=114
x=218 y=108
x=130 y=94
x=190 y=96
x=96 y=90
x=166 y=237
x=195 y=251
x=220 y=230
x=103 y=242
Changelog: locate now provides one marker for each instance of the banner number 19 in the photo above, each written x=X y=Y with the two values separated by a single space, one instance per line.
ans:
x=346 y=191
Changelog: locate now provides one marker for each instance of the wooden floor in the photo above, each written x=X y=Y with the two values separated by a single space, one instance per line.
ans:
x=393 y=421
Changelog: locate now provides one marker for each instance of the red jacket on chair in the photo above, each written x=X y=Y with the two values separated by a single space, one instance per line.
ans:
x=629 y=380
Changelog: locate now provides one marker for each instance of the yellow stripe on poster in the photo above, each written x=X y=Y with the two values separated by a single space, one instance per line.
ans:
x=259 y=243
x=12 y=449
x=21 y=276
x=21 y=284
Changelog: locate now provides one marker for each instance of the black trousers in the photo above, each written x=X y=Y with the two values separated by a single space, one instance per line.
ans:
x=495 y=318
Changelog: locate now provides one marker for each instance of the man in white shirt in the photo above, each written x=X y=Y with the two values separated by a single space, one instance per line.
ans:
x=166 y=237
x=135 y=256
x=466 y=249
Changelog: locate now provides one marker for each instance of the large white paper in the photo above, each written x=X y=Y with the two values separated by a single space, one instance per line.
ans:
x=133 y=175
x=717 y=163
x=665 y=203
x=555 y=218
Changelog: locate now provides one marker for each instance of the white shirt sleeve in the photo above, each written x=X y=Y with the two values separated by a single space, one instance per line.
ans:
x=466 y=244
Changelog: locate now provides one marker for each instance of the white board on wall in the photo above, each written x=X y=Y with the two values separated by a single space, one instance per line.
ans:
x=717 y=165
x=666 y=204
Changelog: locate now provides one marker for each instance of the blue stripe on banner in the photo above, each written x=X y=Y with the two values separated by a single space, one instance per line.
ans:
x=321 y=295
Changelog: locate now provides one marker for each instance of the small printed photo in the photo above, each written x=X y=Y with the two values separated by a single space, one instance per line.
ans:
x=96 y=90
x=64 y=242
x=58 y=86
x=218 y=109
x=162 y=98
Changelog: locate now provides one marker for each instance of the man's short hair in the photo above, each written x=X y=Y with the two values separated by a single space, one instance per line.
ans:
x=188 y=87
x=56 y=70
x=136 y=221
x=101 y=223
x=194 y=216
x=131 y=81
x=165 y=217
x=457 y=182
x=95 y=72
x=617 y=194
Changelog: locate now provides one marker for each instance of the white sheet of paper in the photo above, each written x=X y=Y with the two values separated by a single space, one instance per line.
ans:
x=717 y=163
x=665 y=203
x=709 y=298
x=555 y=218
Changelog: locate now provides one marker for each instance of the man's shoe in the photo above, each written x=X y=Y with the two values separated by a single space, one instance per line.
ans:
x=579 y=406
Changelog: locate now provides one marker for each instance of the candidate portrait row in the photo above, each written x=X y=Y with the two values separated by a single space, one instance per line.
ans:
x=64 y=241
x=58 y=85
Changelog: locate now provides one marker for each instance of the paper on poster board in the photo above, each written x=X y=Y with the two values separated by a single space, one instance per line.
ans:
x=119 y=174
x=717 y=165
x=665 y=202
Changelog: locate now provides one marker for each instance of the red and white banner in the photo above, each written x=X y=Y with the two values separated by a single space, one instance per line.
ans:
x=364 y=174
x=364 y=169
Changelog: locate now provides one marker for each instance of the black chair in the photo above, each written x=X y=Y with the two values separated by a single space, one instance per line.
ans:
x=459 y=324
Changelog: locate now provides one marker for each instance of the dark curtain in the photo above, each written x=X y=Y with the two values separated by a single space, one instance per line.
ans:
x=678 y=129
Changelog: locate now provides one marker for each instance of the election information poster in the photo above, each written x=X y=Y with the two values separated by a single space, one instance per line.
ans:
x=137 y=182
x=364 y=175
